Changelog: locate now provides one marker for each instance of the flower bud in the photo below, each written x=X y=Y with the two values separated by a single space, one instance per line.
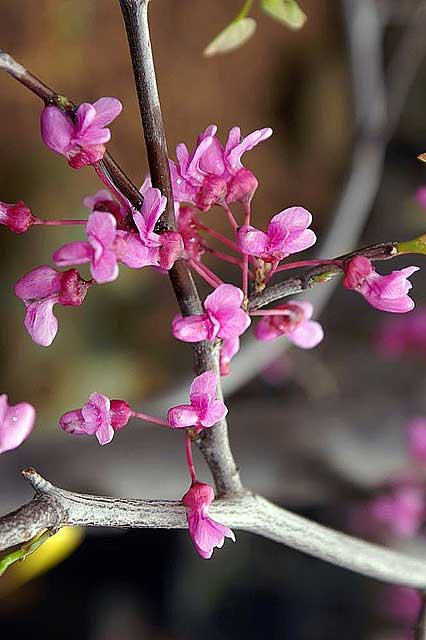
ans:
x=242 y=187
x=16 y=217
x=356 y=270
x=73 y=288
x=211 y=192
x=120 y=413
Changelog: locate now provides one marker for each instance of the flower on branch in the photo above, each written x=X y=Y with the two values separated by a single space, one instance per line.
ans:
x=387 y=293
x=213 y=174
x=100 y=416
x=103 y=201
x=40 y=290
x=295 y=324
x=81 y=140
x=223 y=317
x=205 y=409
x=287 y=233
x=206 y=534
x=16 y=217
x=16 y=423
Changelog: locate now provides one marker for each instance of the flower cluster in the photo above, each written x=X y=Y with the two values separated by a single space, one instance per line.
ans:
x=117 y=233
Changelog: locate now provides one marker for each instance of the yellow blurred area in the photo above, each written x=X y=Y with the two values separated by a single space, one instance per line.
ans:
x=54 y=551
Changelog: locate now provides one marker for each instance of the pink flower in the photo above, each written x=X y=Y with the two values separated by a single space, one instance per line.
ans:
x=101 y=248
x=223 y=317
x=82 y=141
x=402 y=511
x=230 y=346
x=417 y=439
x=206 y=534
x=387 y=293
x=212 y=174
x=297 y=326
x=100 y=416
x=103 y=201
x=287 y=233
x=16 y=217
x=205 y=409
x=421 y=197
x=40 y=290
x=16 y=423
x=400 y=335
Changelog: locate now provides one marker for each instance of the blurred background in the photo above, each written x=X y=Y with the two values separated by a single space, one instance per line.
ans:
x=320 y=431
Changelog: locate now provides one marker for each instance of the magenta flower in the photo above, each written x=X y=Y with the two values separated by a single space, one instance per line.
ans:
x=103 y=201
x=16 y=217
x=206 y=534
x=40 y=290
x=387 y=293
x=16 y=423
x=100 y=416
x=297 y=326
x=416 y=431
x=287 y=233
x=101 y=248
x=82 y=141
x=205 y=409
x=223 y=317
x=212 y=174
x=402 y=511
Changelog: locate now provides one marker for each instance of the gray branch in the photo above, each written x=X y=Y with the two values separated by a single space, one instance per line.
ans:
x=53 y=507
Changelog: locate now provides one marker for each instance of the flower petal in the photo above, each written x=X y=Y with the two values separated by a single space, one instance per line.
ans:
x=192 y=328
x=16 y=424
x=41 y=323
x=41 y=282
x=78 y=252
x=183 y=415
x=307 y=335
x=56 y=129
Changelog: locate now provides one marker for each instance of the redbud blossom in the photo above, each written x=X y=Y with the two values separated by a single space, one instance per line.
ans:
x=100 y=416
x=212 y=174
x=40 y=290
x=223 y=317
x=387 y=293
x=416 y=431
x=16 y=423
x=287 y=233
x=82 y=141
x=297 y=326
x=205 y=409
x=206 y=534
x=16 y=217
x=402 y=511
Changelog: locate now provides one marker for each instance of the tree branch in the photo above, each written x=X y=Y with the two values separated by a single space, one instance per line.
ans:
x=53 y=507
x=213 y=443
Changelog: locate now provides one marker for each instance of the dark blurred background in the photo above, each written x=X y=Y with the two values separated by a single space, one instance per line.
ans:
x=315 y=431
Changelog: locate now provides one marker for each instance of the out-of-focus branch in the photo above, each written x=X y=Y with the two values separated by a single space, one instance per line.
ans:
x=53 y=507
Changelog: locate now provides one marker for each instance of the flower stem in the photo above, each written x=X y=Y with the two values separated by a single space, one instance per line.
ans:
x=190 y=459
x=223 y=239
x=59 y=223
x=234 y=224
x=207 y=275
x=148 y=418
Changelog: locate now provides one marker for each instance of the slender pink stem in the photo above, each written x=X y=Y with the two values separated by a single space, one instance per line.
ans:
x=308 y=263
x=234 y=224
x=59 y=223
x=190 y=459
x=271 y=312
x=247 y=217
x=148 y=418
x=225 y=257
x=106 y=180
x=211 y=278
x=223 y=239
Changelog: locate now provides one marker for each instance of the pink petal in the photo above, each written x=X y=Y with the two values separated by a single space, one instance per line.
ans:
x=135 y=254
x=307 y=335
x=250 y=141
x=102 y=227
x=214 y=413
x=41 y=282
x=153 y=206
x=73 y=422
x=266 y=331
x=16 y=423
x=209 y=132
x=396 y=305
x=85 y=116
x=226 y=295
x=207 y=534
x=183 y=415
x=102 y=195
x=41 y=323
x=252 y=241
x=294 y=218
x=107 y=109
x=212 y=160
x=192 y=328
x=193 y=172
x=182 y=155
x=233 y=322
x=105 y=433
x=105 y=268
x=78 y=252
x=204 y=384
x=56 y=129
x=300 y=243
x=306 y=307
x=234 y=139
